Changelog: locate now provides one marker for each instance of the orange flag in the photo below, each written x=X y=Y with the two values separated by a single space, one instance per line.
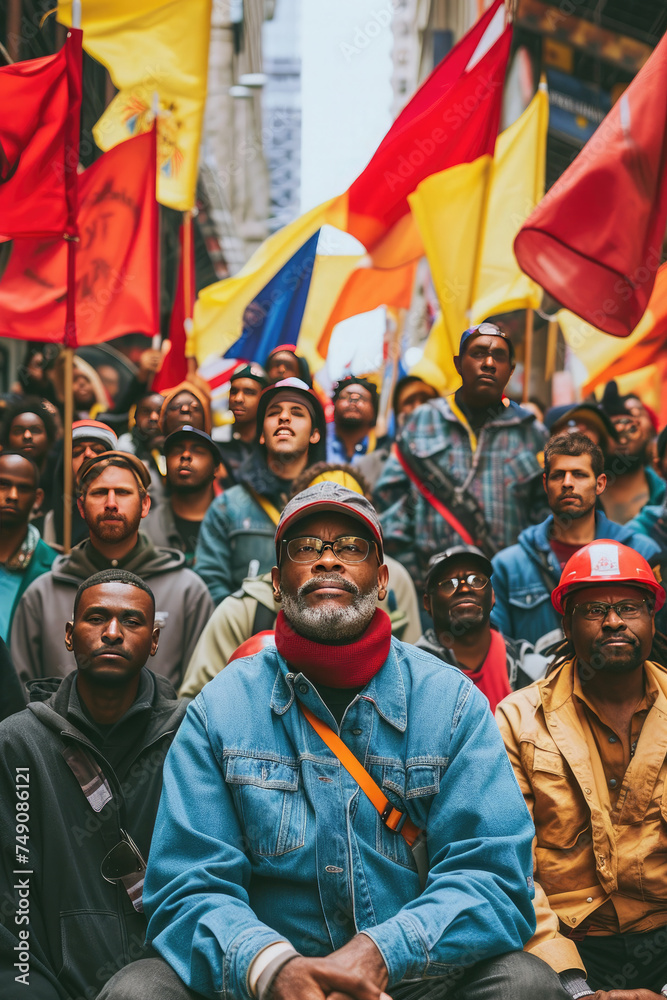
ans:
x=116 y=259
x=366 y=289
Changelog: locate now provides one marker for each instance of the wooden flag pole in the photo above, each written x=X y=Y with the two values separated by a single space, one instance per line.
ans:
x=188 y=286
x=552 y=350
x=157 y=285
x=68 y=484
x=527 y=355
x=72 y=238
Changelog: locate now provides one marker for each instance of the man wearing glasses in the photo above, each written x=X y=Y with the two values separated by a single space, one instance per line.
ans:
x=631 y=482
x=80 y=780
x=272 y=873
x=459 y=597
x=588 y=745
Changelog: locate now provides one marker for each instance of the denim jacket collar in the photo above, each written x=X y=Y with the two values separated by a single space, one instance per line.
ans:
x=385 y=690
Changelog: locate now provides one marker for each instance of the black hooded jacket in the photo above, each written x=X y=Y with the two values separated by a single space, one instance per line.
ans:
x=81 y=928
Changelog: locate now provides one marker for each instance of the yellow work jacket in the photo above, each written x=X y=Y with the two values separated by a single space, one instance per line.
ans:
x=585 y=853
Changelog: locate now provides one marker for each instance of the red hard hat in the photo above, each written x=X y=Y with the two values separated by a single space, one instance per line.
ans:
x=605 y=561
x=255 y=644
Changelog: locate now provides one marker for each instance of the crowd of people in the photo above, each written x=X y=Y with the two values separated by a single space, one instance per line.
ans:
x=412 y=673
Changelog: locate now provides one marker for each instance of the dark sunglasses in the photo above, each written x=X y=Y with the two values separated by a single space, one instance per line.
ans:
x=123 y=861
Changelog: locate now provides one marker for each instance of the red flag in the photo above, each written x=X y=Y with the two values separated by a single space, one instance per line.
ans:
x=116 y=258
x=174 y=367
x=594 y=241
x=39 y=142
x=453 y=118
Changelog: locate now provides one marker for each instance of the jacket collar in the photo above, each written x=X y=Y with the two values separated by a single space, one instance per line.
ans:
x=538 y=536
x=386 y=690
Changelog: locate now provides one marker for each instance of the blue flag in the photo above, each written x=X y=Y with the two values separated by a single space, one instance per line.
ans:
x=274 y=315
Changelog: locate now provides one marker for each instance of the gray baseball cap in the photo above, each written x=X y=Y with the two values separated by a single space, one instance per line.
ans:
x=329 y=496
x=456 y=554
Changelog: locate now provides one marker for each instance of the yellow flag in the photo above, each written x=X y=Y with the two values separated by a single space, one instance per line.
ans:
x=219 y=309
x=436 y=366
x=449 y=210
x=152 y=47
x=516 y=185
x=468 y=217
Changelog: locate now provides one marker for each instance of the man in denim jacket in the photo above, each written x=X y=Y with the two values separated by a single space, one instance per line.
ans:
x=271 y=872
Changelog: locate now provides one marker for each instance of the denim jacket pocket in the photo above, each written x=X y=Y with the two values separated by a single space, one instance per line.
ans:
x=529 y=598
x=269 y=799
x=401 y=784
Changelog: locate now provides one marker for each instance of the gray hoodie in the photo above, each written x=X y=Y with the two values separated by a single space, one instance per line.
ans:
x=182 y=608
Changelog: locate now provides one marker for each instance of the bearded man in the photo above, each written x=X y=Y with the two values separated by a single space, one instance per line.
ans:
x=280 y=876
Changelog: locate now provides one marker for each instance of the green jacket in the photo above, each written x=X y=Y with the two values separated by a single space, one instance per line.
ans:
x=40 y=562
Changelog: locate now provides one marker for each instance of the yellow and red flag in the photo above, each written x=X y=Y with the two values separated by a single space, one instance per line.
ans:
x=153 y=47
x=453 y=118
x=468 y=217
x=605 y=357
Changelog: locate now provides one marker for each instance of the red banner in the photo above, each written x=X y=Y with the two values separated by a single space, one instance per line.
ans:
x=594 y=242
x=39 y=142
x=175 y=368
x=453 y=118
x=115 y=259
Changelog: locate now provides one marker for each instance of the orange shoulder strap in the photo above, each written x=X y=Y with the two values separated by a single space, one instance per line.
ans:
x=393 y=818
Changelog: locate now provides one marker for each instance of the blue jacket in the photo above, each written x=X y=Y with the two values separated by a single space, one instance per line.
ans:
x=279 y=843
x=525 y=574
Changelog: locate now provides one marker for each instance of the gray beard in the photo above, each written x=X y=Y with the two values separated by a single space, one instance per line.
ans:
x=330 y=623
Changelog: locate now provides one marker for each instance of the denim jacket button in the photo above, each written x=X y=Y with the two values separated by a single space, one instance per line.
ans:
x=303 y=688
x=357 y=732
x=333 y=870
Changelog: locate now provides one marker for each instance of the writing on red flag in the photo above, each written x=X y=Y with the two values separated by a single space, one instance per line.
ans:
x=116 y=258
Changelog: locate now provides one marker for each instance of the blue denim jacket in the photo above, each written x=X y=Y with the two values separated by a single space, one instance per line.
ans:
x=262 y=836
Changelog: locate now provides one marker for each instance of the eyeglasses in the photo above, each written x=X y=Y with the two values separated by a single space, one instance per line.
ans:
x=597 y=611
x=352 y=396
x=124 y=861
x=476 y=581
x=626 y=425
x=347 y=548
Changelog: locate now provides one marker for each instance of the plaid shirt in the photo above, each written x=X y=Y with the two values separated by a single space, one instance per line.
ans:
x=502 y=473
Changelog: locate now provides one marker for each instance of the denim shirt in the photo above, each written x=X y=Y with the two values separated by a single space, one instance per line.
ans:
x=262 y=836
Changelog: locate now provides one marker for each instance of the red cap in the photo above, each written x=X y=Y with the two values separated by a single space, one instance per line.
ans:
x=605 y=562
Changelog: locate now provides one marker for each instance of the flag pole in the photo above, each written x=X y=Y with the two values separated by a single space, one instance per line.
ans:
x=71 y=238
x=67 y=442
x=527 y=355
x=156 y=342
x=188 y=286
x=552 y=350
